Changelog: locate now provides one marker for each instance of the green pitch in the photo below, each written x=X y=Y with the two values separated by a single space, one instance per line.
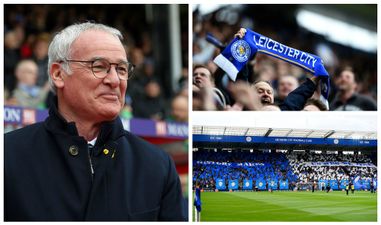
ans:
x=288 y=206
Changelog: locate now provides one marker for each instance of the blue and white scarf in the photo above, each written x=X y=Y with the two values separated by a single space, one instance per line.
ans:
x=234 y=57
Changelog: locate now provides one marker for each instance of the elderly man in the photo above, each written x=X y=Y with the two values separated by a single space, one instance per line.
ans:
x=265 y=92
x=261 y=94
x=80 y=163
x=347 y=99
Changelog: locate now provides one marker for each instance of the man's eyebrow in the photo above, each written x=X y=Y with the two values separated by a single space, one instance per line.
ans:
x=98 y=57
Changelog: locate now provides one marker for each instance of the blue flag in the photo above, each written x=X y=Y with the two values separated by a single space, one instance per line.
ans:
x=283 y=185
x=334 y=184
x=261 y=184
x=358 y=183
x=220 y=184
x=233 y=184
x=248 y=185
x=366 y=184
x=343 y=184
x=273 y=184
x=235 y=56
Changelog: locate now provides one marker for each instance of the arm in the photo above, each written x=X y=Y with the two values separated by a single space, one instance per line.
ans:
x=172 y=207
x=244 y=95
x=296 y=100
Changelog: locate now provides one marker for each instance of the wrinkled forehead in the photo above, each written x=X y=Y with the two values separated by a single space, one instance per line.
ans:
x=97 y=40
x=263 y=85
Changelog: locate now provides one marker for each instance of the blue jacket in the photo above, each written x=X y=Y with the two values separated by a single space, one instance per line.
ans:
x=48 y=175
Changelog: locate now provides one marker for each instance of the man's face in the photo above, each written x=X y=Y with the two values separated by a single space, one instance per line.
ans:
x=265 y=92
x=152 y=89
x=286 y=85
x=346 y=81
x=27 y=72
x=201 y=78
x=90 y=97
x=180 y=109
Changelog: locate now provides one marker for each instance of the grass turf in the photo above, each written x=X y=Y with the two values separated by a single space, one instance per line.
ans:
x=288 y=206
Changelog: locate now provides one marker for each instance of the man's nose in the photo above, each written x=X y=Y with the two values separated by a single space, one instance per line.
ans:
x=112 y=77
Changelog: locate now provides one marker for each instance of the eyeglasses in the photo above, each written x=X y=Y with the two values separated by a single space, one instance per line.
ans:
x=101 y=68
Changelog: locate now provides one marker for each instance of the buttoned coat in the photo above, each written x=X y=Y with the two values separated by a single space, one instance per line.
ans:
x=48 y=175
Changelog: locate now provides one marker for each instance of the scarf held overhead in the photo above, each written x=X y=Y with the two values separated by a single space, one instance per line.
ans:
x=235 y=56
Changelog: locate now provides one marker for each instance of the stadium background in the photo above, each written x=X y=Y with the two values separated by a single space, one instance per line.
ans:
x=156 y=38
x=338 y=43
x=256 y=173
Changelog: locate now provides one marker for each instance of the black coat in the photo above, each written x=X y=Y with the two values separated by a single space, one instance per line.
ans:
x=48 y=175
x=296 y=100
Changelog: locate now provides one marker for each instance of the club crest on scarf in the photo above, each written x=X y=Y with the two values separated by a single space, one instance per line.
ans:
x=240 y=51
x=235 y=56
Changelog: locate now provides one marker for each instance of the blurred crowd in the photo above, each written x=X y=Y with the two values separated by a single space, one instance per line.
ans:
x=265 y=83
x=30 y=28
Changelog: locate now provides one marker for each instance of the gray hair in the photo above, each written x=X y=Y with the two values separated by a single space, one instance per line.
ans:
x=59 y=48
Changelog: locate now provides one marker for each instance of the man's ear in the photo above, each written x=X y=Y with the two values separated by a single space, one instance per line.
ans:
x=56 y=75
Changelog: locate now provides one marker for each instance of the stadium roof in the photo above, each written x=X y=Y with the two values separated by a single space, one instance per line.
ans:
x=338 y=121
x=283 y=132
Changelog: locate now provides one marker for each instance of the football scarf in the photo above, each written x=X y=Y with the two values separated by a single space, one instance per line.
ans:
x=235 y=56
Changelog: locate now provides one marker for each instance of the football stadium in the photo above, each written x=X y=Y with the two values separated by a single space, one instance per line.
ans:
x=278 y=174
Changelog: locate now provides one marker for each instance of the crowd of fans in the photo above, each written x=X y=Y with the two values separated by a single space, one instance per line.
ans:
x=266 y=82
x=307 y=173
x=209 y=165
x=264 y=166
x=30 y=28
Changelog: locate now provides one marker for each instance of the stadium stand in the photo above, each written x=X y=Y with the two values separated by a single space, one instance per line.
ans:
x=240 y=165
x=312 y=167
x=300 y=169
x=223 y=156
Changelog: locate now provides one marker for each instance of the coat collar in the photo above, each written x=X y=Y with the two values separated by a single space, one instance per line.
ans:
x=56 y=123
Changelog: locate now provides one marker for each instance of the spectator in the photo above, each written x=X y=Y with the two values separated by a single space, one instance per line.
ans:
x=27 y=93
x=40 y=56
x=267 y=68
x=151 y=104
x=265 y=92
x=179 y=109
x=12 y=56
x=347 y=99
x=203 y=83
x=202 y=77
x=286 y=84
